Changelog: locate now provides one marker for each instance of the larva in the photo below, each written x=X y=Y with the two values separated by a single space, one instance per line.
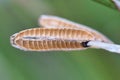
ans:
x=51 y=39
x=48 y=21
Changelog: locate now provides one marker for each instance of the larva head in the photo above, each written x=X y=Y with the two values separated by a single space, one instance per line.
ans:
x=14 y=39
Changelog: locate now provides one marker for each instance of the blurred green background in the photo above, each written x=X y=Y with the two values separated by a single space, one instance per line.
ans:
x=91 y=64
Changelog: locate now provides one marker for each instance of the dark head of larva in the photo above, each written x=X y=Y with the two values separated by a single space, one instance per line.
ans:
x=85 y=44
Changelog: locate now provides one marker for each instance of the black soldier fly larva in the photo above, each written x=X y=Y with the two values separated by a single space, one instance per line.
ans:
x=46 y=39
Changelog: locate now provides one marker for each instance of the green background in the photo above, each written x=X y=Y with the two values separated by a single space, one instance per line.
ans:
x=90 y=64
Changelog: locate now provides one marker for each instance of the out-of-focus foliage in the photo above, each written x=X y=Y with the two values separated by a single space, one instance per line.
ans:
x=108 y=3
x=115 y=4
x=91 y=64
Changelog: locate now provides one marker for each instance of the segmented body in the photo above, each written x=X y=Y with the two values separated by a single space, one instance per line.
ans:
x=47 y=39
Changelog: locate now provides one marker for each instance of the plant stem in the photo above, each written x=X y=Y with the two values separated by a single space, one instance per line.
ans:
x=106 y=46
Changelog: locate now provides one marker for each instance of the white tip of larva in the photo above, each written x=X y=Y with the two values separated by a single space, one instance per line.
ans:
x=13 y=42
x=44 y=16
x=47 y=17
x=41 y=19
x=12 y=39
x=48 y=21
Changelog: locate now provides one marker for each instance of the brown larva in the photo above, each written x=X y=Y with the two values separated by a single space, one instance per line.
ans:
x=47 y=39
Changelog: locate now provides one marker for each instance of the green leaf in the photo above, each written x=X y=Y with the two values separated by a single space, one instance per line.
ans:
x=107 y=3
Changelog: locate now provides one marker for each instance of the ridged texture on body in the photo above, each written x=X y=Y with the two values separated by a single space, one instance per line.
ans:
x=56 y=22
x=48 y=45
x=46 y=39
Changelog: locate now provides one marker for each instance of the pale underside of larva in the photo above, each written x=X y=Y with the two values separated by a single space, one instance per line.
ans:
x=57 y=22
x=51 y=39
